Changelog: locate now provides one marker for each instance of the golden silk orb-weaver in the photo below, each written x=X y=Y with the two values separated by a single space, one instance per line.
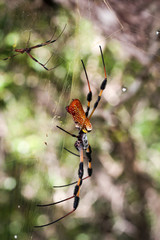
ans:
x=28 y=50
x=83 y=124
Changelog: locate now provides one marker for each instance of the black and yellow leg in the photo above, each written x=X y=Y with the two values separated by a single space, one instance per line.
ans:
x=79 y=183
x=103 y=85
x=89 y=99
x=89 y=95
x=88 y=154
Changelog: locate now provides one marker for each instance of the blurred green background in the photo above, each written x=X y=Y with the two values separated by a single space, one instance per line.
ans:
x=121 y=200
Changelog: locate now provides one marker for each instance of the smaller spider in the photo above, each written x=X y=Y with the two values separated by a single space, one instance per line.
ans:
x=83 y=124
x=27 y=50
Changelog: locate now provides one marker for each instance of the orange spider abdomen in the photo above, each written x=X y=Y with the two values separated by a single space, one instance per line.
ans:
x=76 y=110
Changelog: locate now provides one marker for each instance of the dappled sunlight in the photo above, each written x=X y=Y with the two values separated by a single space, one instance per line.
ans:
x=121 y=198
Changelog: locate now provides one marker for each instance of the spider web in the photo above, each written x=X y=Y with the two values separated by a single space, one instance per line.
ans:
x=33 y=102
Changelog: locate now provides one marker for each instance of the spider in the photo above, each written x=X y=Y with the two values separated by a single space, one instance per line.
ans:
x=27 y=50
x=83 y=124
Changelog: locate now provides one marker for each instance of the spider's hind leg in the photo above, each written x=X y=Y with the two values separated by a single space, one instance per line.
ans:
x=79 y=183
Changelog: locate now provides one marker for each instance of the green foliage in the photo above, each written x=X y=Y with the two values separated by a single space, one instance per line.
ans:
x=116 y=203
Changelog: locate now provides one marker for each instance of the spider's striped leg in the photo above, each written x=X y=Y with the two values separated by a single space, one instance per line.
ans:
x=49 y=41
x=103 y=85
x=72 y=183
x=88 y=154
x=45 y=43
x=10 y=56
x=89 y=95
x=34 y=59
x=43 y=65
x=75 y=194
x=79 y=183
